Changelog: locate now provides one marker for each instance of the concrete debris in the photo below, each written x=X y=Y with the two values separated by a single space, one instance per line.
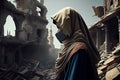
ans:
x=109 y=68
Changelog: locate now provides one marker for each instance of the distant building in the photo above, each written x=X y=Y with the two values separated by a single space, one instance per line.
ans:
x=50 y=38
x=53 y=51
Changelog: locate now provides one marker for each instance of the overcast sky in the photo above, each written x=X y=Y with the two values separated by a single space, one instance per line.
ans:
x=84 y=7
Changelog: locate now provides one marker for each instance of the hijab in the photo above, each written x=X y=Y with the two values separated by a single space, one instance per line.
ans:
x=73 y=25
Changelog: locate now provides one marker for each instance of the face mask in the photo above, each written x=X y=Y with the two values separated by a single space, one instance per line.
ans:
x=61 y=36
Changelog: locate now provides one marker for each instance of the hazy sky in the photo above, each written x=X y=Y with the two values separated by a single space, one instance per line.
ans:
x=84 y=7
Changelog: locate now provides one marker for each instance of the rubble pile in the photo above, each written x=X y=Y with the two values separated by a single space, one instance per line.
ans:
x=29 y=70
x=109 y=67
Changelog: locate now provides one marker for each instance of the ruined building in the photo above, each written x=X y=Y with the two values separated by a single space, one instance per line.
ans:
x=30 y=44
x=106 y=35
x=35 y=21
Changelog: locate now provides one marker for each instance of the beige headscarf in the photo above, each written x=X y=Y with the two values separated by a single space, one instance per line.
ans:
x=73 y=26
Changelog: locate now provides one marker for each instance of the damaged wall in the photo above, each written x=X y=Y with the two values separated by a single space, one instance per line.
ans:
x=30 y=34
x=106 y=34
x=33 y=23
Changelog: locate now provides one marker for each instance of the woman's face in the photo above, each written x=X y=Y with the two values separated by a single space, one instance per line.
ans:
x=60 y=35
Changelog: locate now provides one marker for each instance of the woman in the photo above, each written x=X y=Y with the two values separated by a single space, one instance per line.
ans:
x=78 y=58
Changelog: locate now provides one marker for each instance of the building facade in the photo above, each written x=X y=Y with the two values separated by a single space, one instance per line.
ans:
x=106 y=36
x=106 y=29
x=30 y=41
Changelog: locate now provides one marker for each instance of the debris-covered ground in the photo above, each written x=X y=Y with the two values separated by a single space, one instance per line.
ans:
x=30 y=70
x=109 y=66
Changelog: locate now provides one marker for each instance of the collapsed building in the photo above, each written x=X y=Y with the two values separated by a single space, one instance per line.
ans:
x=22 y=54
x=106 y=35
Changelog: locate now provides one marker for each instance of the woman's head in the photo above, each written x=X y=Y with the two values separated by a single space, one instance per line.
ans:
x=62 y=20
x=73 y=26
x=68 y=22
